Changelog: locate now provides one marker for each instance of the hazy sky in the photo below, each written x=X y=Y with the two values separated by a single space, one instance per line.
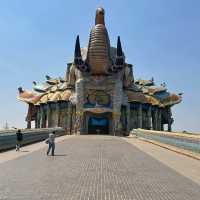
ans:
x=160 y=37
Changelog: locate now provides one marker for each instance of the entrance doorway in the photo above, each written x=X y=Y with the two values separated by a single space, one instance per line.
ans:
x=98 y=125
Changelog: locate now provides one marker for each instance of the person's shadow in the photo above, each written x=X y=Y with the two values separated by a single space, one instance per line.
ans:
x=60 y=154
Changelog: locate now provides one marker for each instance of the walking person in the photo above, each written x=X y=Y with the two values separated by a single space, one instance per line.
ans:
x=51 y=142
x=19 y=139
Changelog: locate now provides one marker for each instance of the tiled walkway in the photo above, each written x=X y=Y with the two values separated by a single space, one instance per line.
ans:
x=93 y=168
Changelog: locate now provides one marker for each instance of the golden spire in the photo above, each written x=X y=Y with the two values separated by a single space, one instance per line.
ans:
x=100 y=16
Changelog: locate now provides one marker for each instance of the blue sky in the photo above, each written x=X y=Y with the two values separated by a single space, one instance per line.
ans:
x=160 y=37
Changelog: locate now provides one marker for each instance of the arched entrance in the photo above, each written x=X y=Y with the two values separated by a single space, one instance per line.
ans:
x=98 y=125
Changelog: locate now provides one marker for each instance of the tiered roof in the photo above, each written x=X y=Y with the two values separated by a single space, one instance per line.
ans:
x=50 y=91
x=58 y=89
x=145 y=91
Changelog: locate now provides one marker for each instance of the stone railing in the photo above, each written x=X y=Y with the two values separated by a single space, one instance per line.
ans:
x=185 y=141
x=8 y=138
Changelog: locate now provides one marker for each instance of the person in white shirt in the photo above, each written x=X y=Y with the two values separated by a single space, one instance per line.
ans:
x=51 y=142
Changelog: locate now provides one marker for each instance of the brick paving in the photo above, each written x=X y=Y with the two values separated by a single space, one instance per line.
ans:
x=93 y=168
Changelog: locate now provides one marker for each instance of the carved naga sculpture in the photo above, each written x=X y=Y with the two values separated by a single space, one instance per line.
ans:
x=98 y=60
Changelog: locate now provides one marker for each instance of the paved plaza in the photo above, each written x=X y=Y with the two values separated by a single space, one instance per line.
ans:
x=93 y=168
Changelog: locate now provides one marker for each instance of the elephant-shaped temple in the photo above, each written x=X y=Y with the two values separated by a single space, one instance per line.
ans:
x=98 y=94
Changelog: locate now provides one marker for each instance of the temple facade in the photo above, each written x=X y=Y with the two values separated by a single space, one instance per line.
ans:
x=99 y=94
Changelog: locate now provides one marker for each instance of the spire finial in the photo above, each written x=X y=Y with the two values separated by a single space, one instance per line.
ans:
x=78 y=61
x=77 y=52
x=119 y=57
x=119 y=47
x=100 y=16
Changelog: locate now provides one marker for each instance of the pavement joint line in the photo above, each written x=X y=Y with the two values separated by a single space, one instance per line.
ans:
x=171 y=148
x=28 y=149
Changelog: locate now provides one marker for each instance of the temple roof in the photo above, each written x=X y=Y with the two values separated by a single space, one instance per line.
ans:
x=51 y=90
x=142 y=98
x=56 y=89
x=159 y=93
x=144 y=82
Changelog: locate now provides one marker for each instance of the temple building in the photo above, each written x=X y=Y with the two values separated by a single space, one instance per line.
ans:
x=99 y=94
